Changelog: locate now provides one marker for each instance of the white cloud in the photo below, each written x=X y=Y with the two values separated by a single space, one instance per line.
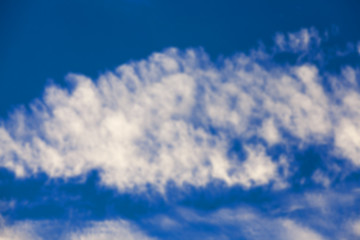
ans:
x=270 y=132
x=300 y=41
x=108 y=230
x=99 y=230
x=347 y=134
x=298 y=232
x=18 y=231
x=149 y=121
x=356 y=227
x=305 y=215
x=320 y=178
x=252 y=225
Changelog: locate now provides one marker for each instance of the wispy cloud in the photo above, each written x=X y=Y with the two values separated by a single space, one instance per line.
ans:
x=325 y=214
x=301 y=41
x=100 y=230
x=251 y=225
x=108 y=230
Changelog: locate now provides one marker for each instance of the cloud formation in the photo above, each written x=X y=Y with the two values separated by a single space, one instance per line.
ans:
x=18 y=231
x=108 y=230
x=175 y=116
x=244 y=223
x=313 y=215
x=89 y=230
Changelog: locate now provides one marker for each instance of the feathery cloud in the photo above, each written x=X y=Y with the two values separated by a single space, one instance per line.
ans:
x=174 y=116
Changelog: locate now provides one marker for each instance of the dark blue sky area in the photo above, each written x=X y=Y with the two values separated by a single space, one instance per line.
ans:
x=43 y=40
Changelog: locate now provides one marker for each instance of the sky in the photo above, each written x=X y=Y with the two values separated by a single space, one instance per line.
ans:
x=154 y=119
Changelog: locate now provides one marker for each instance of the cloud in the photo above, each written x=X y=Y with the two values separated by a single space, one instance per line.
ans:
x=356 y=227
x=297 y=232
x=326 y=214
x=250 y=224
x=173 y=118
x=17 y=231
x=300 y=41
x=108 y=230
x=306 y=215
x=99 y=230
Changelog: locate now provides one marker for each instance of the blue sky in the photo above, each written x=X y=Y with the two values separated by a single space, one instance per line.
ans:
x=42 y=40
x=179 y=120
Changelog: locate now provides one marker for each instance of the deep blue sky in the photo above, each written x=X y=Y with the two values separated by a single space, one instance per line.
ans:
x=42 y=40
